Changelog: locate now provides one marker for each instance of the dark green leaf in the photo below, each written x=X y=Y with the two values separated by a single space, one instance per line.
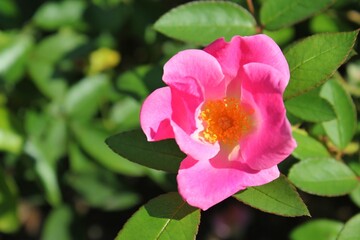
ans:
x=163 y=155
x=311 y=107
x=342 y=129
x=321 y=229
x=276 y=14
x=351 y=230
x=313 y=60
x=203 y=22
x=308 y=147
x=323 y=176
x=163 y=218
x=278 y=197
x=9 y=219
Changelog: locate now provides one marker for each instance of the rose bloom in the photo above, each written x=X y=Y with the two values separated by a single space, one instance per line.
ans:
x=224 y=107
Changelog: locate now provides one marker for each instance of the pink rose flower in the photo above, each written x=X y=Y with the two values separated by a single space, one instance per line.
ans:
x=224 y=107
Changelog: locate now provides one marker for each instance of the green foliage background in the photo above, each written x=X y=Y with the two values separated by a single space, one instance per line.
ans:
x=74 y=72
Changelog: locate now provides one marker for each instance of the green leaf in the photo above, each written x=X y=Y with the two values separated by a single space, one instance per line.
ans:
x=342 y=129
x=276 y=14
x=42 y=65
x=132 y=82
x=203 y=22
x=278 y=197
x=102 y=190
x=125 y=113
x=92 y=140
x=13 y=58
x=323 y=177
x=355 y=196
x=84 y=98
x=45 y=170
x=10 y=140
x=320 y=229
x=163 y=218
x=9 y=219
x=163 y=155
x=351 y=230
x=53 y=15
x=58 y=224
x=308 y=147
x=313 y=60
x=311 y=107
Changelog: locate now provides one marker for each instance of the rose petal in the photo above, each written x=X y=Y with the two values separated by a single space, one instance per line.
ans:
x=192 y=146
x=272 y=141
x=205 y=183
x=243 y=50
x=262 y=49
x=155 y=115
x=195 y=72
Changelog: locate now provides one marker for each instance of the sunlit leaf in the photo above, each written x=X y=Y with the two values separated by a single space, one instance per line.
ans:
x=278 y=197
x=313 y=60
x=165 y=217
x=203 y=22
x=323 y=176
x=320 y=229
x=342 y=129
x=351 y=230
x=275 y=14
x=311 y=107
x=308 y=147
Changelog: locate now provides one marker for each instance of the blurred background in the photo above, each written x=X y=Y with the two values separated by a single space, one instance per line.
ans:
x=74 y=72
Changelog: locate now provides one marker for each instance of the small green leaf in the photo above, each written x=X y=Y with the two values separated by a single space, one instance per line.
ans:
x=355 y=196
x=323 y=177
x=9 y=219
x=92 y=140
x=320 y=229
x=311 y=107
x=351 y=230
x=308 y=147
x=53 y=15
x=10 y=140
x=276 y=14
x=163 y=155
x=13 y=58
x=102 y=189
x=163 y=218
x=342 y=129
x=45 y=170
x=278 y=197
x=203 y=22
x=313 y=60
x=83 y=99
x=58 y=224
x=42 y=65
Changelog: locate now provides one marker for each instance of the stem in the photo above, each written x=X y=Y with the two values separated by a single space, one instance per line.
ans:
x=251 y=7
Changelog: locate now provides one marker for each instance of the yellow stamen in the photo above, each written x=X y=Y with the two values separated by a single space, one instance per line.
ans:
x=225 y=120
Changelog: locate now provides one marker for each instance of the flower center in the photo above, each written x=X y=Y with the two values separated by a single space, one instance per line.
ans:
x=225 y=120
